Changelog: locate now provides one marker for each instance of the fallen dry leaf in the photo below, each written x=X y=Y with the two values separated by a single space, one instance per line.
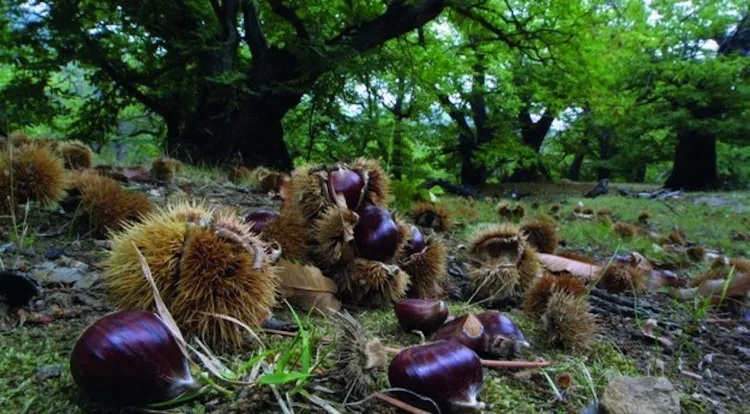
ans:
x=306 y=287
x=557 y=264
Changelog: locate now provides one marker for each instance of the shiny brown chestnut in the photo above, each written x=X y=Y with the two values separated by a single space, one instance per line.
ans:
x=466 y=330
x=376 y=234
x=416 y=242
x=446 y=372
x=503 y=338
x=130 y=358
x=347 y=183
x=260 y=219
x=421 y=314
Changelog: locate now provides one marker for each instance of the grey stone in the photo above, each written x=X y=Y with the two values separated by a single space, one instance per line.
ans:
x=46 y=372
x=9 y=248
x=49 y=273
x=640 y=395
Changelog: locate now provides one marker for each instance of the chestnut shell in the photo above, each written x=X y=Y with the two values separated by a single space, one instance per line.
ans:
x=130 y=358
x=466 y=330
x=260 y=219
x=376 y=234
x=496 y=323
x=444 y=371
x=421 y=314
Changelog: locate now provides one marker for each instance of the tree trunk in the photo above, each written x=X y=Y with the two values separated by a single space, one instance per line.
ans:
x=532 y=135
x=252 y=137
x=607 y=150
x=694 y=163
x=575 y=168
x=472 y=175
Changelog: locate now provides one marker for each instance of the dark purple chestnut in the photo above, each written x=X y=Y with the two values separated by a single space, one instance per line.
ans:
x=416 y=241
x=503 y=338
x=376 y=234
x=466 y=330
x=260 y=219
x=130 y=358
x=347 y=182
x=421 y=314
x=447 y=372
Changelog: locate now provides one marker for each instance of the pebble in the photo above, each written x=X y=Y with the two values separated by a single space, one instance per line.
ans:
x=46 y=372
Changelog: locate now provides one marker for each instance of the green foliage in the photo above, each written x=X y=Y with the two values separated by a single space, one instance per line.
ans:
x=407 y=191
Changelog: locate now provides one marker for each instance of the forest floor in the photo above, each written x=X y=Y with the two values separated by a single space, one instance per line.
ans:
x=707 y=355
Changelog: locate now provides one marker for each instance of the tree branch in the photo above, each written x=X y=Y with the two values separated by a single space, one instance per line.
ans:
x=458 y=117
x=254 y=36
x=397 y=20
x=290 y=15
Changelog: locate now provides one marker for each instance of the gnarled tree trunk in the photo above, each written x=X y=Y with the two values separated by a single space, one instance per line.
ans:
x=695 y=163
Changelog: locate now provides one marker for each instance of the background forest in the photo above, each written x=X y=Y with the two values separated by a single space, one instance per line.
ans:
x=473 y=91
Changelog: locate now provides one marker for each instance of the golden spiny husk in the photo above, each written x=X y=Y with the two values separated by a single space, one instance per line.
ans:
x=203 y=264
x=434 y=216
x=76 y=155
x=163 y=170
x=333 y=235
x=541 y=235
x=426 y=270
x=105 y=203
x=567 y=321
x=30 y=173
x=369 y=283
x=620 y=277
x=289 y=230
x=537 y=296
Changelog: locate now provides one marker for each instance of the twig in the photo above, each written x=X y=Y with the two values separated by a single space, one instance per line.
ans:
x=399 y=404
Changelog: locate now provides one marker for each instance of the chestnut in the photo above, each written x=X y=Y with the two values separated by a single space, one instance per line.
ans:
x=466 y=329
x=446 y=372
x=416 y=242
x=503 y=338
x=421 y=314
x=259 y=219
x=376 y=235
x=347 y=183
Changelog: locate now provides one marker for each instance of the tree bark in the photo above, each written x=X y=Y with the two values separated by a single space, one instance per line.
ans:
x=695 y=163
x=607 y=150
x=533 y=135
x=575 y=168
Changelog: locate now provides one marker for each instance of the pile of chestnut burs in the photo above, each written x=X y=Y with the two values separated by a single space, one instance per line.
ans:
x=207 y=262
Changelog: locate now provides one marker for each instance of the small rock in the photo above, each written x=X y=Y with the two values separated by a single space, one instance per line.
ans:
x=744 y=352
x=30 y=252
x=640 y=395
x=46 y=372
x=53 y=254
x=9 y=248
x=84 y=299
x=17 y=289
x=70 y=262
x=105 y=244
x=50 y=273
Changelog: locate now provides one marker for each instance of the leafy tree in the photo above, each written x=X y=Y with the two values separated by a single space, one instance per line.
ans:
x=221 y=74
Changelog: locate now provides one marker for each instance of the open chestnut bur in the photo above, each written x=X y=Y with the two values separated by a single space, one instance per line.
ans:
x=336 y=218
x=502 y=262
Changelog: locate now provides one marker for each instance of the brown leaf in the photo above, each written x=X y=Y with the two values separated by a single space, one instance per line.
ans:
x=557 y=264
x=306 y=287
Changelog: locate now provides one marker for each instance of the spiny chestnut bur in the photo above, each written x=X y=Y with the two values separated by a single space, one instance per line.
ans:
x=510 y=212
x=541 y=235
x=538 y=295
x=503 y=263
x=567 y=321
x=289 y=230
x=272 y=182
x=358 y=358
x=350 y=186
x=333 y=233
x=625 y=230
x=239 y=174
x=370 y=283
x=621 y=276
x=433 y=216
x=103 y=203
x=643 y=216
x=164 y=169
x=424 y=262
x=202 y=263
x=677 y=237
x=76 y=155
x=28 y=174
x=696 y=253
